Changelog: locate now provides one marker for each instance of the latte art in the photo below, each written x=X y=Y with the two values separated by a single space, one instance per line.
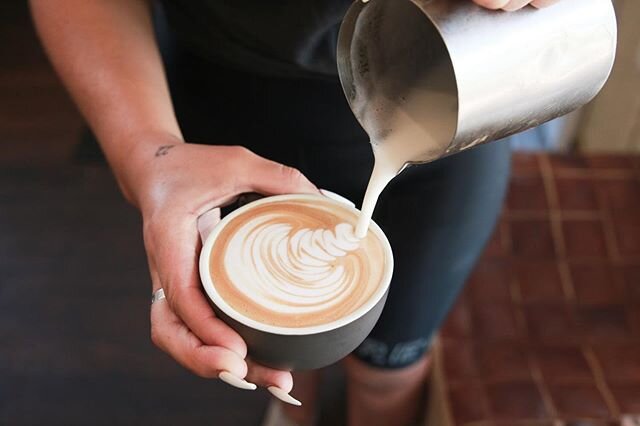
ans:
x=292 y=272
x=295 y=263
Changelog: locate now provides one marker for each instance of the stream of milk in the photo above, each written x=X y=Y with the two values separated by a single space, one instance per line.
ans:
x=407 y=141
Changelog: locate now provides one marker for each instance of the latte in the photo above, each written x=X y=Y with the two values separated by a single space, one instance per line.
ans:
x=296 y=262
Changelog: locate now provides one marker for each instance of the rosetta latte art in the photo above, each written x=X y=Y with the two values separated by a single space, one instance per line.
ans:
x=290 y=271
x=295 y=267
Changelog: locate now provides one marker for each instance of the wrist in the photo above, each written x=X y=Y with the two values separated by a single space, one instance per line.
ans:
x=134 y=166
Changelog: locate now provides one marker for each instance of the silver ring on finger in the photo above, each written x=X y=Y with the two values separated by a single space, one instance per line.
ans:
x=157 y=295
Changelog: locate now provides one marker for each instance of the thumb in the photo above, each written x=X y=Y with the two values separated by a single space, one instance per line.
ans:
x=270 y=178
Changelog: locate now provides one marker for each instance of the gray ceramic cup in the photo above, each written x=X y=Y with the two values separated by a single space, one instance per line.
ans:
x=297 y=348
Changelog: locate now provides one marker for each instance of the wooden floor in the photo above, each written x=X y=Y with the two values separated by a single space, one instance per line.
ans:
x=38 y=123
x=74 y=304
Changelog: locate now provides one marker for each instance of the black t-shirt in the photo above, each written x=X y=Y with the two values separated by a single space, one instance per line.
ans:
x=282 y=37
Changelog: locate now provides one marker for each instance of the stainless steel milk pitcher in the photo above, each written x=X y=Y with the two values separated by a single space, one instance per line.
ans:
x=435 y=77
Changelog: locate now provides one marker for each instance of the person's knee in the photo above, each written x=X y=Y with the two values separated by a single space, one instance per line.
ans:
x=398 y=355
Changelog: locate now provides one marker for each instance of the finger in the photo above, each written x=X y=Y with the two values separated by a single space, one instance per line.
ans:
x=514 y=5
x=492 y=4
x=171 y=335
x=279 y=383
x=271 y=178
x=190 y=305
x=236 y=381
x=226 y=375
x=265 y=376
x=176 y=260
x=543 y=3
x=283 y=396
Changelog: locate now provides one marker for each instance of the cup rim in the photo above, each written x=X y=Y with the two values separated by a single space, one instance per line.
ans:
x=207 y=282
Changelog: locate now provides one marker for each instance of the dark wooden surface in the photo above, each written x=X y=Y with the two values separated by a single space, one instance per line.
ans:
x=74 y=304
x=38 y=123
x=74 y=325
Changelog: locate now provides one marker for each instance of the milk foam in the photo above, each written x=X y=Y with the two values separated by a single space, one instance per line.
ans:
x=290 y=272
x=296 y=263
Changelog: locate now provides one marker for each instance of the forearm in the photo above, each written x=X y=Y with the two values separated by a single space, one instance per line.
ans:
x=106 y=54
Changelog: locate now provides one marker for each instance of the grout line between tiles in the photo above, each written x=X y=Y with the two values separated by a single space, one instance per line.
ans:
x=566 y=282
x=558 y=237
x=634 y=133
x=552 y=201
x=517 y=422
x=545 y=214
x=579 y=215
x=505 y=238
x=547 y=399
x=627 y=260
x=601 y=383
x=516 y=299
x=478 y=423
x=516 y=302
x=612 y=174
x=610 y=238
x=457 y=384
x=516 y=296
x=445 y=382
x=556 y=228
x=439 y=403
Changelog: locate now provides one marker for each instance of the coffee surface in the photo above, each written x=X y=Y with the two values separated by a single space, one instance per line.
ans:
x=296 y=263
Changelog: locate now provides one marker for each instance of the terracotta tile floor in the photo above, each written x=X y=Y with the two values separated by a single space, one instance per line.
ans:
x=548 y=329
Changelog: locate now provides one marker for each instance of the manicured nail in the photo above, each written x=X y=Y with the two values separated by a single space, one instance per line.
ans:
x=236 y=381
x=283 y=396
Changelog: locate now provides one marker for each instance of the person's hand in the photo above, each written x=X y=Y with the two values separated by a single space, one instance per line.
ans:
x=177 y=183
x=512 y=5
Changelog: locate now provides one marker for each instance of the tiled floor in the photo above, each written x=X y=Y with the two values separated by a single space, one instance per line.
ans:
x=548 y=330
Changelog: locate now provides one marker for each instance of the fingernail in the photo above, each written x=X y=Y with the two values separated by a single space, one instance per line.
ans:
x=236 y=381
x=283 y=396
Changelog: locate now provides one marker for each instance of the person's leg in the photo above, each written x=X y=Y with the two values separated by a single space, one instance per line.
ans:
x=379 y=396
x=438 y=218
